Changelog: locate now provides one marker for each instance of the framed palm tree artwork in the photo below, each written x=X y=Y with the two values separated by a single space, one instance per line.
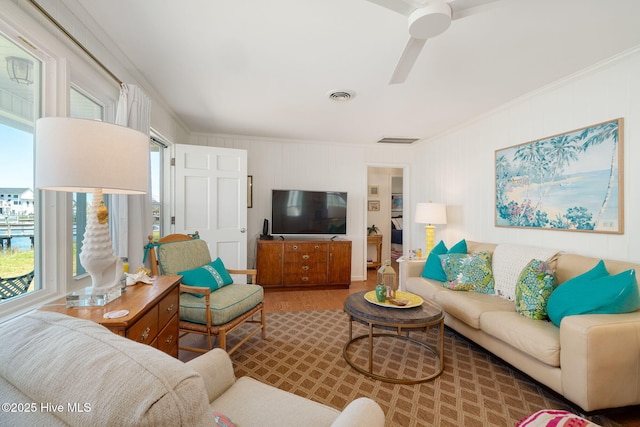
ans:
x=571 y=181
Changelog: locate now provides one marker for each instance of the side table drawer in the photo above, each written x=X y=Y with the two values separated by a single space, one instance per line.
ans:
x=145 y=329
x=168 y=338
x=168 y=307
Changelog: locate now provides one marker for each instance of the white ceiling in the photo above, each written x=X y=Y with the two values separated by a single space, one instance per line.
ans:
x=265 y=68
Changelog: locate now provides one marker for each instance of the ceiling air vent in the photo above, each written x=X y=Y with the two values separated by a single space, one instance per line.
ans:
x=398 y=140
x=341 y=95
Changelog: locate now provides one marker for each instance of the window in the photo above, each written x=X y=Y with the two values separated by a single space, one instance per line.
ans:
x=19 y=108
x=156 y=147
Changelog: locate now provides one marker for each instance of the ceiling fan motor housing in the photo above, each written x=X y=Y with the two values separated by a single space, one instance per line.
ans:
x=430 y=21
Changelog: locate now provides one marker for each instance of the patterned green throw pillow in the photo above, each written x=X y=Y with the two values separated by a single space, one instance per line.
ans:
x=533 y=289
x=468 y=272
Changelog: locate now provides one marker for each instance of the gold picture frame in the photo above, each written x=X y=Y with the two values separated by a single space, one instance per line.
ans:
x=374 y=205
x=374 y=191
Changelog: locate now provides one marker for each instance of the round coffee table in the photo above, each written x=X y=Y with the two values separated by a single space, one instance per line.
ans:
x=399 y=320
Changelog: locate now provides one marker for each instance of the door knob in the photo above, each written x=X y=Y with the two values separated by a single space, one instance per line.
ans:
x=243 y=230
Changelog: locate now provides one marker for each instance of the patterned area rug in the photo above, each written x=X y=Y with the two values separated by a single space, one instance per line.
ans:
x=303 y=355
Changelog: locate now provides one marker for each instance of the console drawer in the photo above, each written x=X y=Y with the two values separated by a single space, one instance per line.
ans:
x=145 y=329
x=168 y=337
x=168 y=307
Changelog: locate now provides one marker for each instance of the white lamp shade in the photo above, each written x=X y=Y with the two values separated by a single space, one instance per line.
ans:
x=78 y=155
x=431 y=213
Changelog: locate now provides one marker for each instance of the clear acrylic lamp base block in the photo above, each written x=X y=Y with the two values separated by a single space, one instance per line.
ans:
x=88 y=297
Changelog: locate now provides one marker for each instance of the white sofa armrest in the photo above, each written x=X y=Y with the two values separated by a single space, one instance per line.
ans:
x=362 y=412
x=216 y=370
x=600 y=360
x=409 y=268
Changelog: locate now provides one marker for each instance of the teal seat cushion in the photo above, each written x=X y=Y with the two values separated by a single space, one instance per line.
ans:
x=227 y=303
x=597 y=295
x=533 y=289
x=213 y=276
x=467 y=272
x=433 y=265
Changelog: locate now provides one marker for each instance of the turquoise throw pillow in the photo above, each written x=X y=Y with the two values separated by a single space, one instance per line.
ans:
x=468 y=272
x=602 y=295
x=533 y=289
x=433 y=265
x=213 y=276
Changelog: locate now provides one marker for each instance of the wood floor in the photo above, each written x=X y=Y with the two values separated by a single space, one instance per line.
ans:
x=275 y=301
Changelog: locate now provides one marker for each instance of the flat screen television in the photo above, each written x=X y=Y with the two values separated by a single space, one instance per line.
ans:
x=308 y=212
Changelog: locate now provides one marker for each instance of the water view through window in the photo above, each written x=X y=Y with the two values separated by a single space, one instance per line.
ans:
x=19 y=108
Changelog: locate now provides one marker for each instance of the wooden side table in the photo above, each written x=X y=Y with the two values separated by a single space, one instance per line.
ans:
x=153 y=313
x=375 y=239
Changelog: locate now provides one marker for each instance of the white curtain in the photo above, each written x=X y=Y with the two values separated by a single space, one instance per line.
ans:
x=129 y=233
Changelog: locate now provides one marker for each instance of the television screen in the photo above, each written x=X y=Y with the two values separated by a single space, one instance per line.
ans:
x=308 y=212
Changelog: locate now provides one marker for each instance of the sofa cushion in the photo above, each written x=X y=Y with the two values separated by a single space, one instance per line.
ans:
x=426 y=288
x=433 y=266
x=469 y=306
x=533 y=289
x=226 y=304
x=213 y=276
x=271 y=407
x=510 y=260
x=538 y=339
x=60 y=359
x=468 y=272
x=601 y=295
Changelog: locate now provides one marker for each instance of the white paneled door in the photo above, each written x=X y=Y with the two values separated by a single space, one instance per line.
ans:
x=210 y=195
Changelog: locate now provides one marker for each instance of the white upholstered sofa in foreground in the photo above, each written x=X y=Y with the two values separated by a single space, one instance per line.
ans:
x=57 y=370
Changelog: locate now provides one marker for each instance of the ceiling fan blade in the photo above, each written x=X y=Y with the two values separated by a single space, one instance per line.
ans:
x=407 y=59
x=464 y=8
x=400 y=6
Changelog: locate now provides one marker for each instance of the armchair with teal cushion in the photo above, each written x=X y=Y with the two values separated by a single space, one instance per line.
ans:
x=210 y=303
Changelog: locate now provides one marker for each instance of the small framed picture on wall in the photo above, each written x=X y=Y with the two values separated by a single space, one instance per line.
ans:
x=374 y=205
x=374 y=191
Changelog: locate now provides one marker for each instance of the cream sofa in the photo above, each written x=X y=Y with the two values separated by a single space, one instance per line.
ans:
x=58 y=370
x=592 y=360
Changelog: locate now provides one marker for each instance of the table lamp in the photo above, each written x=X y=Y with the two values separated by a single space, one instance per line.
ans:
x=430 y=214
x=78 y=155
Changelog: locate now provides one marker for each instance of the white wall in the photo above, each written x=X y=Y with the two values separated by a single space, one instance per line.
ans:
x=457 y=168
x=281 y=164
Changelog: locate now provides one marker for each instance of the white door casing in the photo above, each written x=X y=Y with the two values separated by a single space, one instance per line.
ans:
x=210 y=196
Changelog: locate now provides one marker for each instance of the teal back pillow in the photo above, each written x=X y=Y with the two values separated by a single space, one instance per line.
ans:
x=594 y=293
x=213 y=276
x=433 y=265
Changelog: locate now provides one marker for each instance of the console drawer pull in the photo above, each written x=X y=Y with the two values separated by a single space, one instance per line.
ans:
x=145 y=334
x=295 y=247
x=305 y=267
x=305 y=256
x=305 y=279
x=170 y=308
x=169 y=340
x=317 y=247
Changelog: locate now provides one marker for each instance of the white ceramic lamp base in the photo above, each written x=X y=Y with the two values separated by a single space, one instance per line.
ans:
x=98 y=259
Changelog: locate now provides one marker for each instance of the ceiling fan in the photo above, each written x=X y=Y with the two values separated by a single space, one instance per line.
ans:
x=427 y=19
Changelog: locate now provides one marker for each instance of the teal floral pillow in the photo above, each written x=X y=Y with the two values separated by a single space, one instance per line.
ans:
x=468 y=272
x=533 y=289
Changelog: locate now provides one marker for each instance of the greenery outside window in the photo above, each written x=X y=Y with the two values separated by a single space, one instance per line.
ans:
x=20 y=101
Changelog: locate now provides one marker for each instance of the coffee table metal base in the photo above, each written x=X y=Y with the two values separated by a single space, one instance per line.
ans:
x=436 y=351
